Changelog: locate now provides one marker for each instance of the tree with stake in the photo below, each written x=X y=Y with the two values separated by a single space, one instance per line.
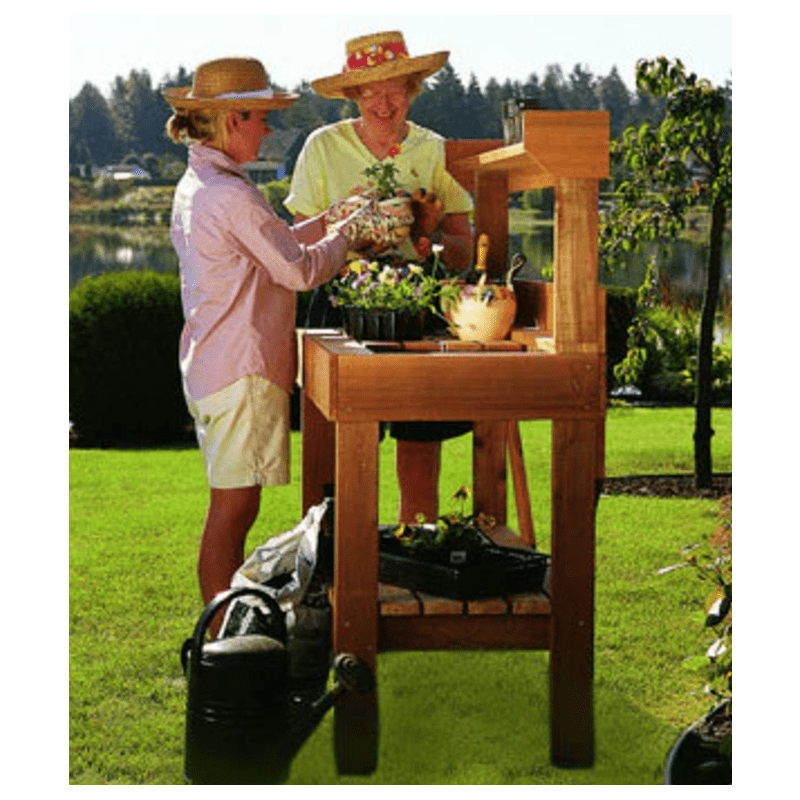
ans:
x=680 y=164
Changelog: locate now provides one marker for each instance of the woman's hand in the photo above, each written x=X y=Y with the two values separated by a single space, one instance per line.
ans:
x=428 y=211
x=423 y=247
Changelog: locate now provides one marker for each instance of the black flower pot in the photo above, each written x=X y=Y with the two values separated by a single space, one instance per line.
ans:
x=386 y=325
x=696 y=758
x=383 y=325
x=410 y=325
x=353 y=319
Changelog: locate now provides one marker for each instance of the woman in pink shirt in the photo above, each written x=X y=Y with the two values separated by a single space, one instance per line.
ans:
x=241 y=267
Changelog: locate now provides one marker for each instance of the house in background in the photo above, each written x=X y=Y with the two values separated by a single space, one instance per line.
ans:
x=124 y=172
x=277 y=156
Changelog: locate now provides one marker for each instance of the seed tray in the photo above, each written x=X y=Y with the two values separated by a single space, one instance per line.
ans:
x=488 y=571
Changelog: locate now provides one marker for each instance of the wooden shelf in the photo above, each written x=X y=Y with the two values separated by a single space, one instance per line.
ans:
x=556 y=145
x=524 y=170
x=418 y=621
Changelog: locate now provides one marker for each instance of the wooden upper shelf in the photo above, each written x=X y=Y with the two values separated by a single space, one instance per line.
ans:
x=556 y=144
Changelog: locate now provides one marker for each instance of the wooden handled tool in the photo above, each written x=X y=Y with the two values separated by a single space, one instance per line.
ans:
x=482 y=255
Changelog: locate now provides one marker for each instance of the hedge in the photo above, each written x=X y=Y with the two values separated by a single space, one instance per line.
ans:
x=124 y=381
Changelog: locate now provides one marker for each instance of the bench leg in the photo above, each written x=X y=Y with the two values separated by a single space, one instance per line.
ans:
x=572 y=590
x=355 y=590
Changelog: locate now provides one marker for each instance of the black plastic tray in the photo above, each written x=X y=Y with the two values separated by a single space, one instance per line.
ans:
x=490 y=571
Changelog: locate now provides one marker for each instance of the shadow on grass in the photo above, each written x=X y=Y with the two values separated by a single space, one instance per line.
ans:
x=482 y=718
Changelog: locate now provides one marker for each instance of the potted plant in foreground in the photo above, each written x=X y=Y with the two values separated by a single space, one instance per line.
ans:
x=384 y=299
x=703 y=753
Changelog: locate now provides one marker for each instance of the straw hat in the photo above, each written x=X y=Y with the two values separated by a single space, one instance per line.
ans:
x=229 y=83
x=377 y=57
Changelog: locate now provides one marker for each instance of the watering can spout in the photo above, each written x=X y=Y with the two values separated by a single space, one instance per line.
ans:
x=351 y=675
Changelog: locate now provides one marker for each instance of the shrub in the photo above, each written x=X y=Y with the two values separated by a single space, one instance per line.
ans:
x=124 y=381
x=662 y=345
x=620 y=311
x=276 y=192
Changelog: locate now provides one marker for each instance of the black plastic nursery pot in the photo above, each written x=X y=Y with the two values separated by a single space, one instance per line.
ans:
x=696 y=758
x=488 y=571
x=383 y=325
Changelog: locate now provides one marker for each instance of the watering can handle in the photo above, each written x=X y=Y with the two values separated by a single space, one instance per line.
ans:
x=223 y=597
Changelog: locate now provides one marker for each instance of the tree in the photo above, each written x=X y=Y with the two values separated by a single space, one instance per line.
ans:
x=440 y=107
x=614 y=97
x=476 y=111
x=91 y=128
x=683 y=162
x=139 y=113
x=581 y=92
x=553 y=88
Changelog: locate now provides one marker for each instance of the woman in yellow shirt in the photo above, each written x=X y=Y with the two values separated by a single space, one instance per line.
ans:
x=382 y=79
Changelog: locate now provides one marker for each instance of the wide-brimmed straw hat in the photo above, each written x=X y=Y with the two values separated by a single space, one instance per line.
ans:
x=377 y=57
x=229 y=83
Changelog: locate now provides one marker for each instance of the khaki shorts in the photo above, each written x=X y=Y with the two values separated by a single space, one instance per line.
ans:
x=243 y=433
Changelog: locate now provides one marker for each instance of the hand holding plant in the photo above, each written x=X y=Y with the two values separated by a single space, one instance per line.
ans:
x=385 y=177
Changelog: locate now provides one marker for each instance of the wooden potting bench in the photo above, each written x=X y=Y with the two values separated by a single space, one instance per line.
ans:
x=552 y=367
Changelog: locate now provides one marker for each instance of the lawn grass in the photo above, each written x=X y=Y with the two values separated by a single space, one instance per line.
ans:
x=446 y=718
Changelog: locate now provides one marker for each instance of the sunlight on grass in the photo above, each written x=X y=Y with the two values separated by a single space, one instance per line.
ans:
x=446 y=717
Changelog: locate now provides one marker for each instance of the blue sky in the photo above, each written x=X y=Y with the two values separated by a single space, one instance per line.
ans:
x=307 y=46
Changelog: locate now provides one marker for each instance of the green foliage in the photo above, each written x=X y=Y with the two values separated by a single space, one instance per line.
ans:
x=662 y=345
x=105 y=187
x=664 y=171
x=276 y=192
x=712 y=562
x=620 y=312
x=456 y=530
x=385 y=178
x=124 y=382
x=682 y=162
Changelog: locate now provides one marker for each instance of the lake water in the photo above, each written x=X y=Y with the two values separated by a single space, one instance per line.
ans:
x=94 y=250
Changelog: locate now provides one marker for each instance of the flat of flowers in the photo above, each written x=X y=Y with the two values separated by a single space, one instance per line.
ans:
x=487 y=571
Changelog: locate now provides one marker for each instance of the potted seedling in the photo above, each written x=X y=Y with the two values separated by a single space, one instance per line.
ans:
x=455 y=557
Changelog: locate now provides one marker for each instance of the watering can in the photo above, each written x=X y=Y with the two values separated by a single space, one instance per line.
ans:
x=242 y=726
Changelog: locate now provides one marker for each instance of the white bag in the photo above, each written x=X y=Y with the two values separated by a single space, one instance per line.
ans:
x=283 y=566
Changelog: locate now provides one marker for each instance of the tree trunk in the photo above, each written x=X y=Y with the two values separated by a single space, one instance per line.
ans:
x=703 y=397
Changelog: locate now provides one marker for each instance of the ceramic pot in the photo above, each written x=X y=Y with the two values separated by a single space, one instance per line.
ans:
x=476 y=320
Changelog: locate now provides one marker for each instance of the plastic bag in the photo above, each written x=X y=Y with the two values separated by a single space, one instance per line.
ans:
x=284 y=566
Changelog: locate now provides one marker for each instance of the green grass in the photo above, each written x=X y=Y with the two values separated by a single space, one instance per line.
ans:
x=446 y=718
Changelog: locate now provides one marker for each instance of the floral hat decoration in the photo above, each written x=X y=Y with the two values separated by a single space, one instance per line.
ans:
x=229 y=83
x=377 y=57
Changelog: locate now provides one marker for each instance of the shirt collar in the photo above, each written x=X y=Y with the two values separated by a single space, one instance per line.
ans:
x=211 y=155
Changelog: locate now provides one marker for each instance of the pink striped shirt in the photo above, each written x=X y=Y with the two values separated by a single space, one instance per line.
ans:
x=241 y=267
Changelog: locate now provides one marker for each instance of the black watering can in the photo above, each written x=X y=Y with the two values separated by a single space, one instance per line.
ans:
x=242 y=725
